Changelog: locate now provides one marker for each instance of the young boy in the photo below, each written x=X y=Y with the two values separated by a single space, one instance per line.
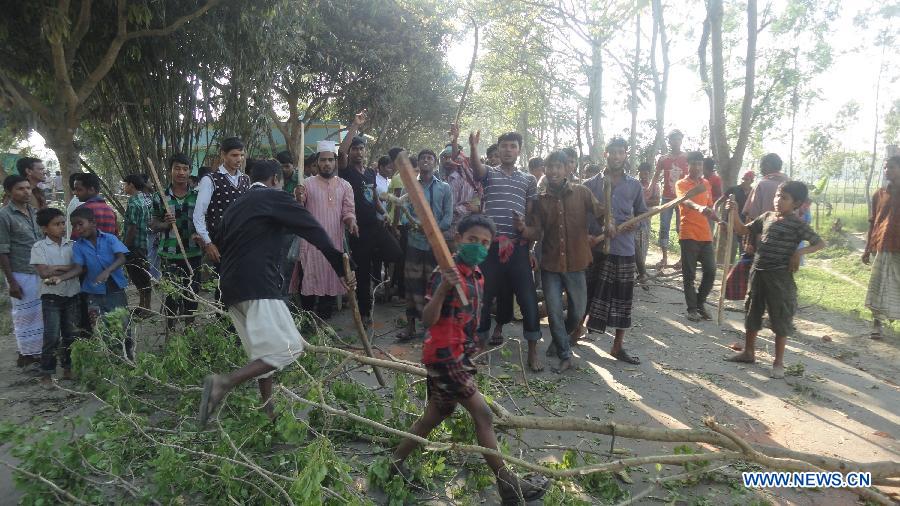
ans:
x=100 y=256
x=560 y=221
x=777 y=257
x=446 y=355
x=883 y=295
x=52 y=257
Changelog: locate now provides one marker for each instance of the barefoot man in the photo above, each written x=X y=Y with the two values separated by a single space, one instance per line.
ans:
x=250 y=241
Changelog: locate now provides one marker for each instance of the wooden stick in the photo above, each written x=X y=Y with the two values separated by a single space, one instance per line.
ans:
x=726 y=265
x=462 y=98
x=607 y=195
x=165 y=202
x=360 y=328
x=426 y=219
x=656 y=210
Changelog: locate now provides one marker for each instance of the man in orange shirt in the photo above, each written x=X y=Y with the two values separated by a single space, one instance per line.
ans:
x=696 y=238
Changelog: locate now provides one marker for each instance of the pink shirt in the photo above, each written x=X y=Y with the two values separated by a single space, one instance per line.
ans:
x=330 y=201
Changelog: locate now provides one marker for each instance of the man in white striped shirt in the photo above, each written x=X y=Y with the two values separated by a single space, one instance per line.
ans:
x=508 y=192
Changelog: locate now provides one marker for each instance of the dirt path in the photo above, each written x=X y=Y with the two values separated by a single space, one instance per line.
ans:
x=844 y=405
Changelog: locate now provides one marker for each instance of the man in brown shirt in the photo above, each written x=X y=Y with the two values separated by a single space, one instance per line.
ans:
x=559 y=219
x=883 y=295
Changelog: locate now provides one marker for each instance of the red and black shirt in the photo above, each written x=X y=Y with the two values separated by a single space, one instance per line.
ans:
x=453 y=335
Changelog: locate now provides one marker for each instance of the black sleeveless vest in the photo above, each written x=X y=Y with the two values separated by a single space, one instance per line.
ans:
x=224 y=193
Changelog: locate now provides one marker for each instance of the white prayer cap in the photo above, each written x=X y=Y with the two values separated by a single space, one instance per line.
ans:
x=323 y=146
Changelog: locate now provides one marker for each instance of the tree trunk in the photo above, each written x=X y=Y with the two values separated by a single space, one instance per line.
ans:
x=795 y=107
x=595 y=84
x=707 y=87
x=633 y=98
x=660 y=82
x=730 y=172
x=718 y=131
x=875 y=135
x=62 y=141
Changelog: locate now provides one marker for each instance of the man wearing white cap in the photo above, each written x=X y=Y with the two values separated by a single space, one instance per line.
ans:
x=330 y=200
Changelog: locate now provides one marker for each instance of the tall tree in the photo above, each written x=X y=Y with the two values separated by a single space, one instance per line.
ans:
x=53 y=72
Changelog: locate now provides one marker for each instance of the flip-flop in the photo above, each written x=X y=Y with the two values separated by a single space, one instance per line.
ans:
x=733 y=359
x=876 y=336
x=205 y=408
x=622 y=356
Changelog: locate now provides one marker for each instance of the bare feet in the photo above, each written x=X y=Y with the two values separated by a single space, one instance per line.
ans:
x=744 y=357
x=497 y=336
x=214 y=389
x=46 y=382
x=577 y=335
x=694 y=316
x=533 y=363
x=67 y=374
x=622 y=356
x=564 y=365
x=777 y=372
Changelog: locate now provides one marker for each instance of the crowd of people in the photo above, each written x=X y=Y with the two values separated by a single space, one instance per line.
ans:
x=539 y=237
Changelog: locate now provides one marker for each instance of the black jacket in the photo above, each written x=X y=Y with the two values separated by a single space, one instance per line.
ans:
x=250 y=242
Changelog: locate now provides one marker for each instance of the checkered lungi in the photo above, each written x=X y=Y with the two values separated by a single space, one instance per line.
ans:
x=451 y=382
x=883 y=295
x=614 y=293
x=417 y=272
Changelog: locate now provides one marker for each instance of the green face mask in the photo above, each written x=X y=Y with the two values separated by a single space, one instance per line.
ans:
x=472 y=253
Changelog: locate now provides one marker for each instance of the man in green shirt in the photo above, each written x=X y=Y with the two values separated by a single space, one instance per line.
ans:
x=177 y=265
x=291 y=174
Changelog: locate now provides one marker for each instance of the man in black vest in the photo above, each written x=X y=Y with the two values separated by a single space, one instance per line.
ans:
x=217 y=190
x=250 y=236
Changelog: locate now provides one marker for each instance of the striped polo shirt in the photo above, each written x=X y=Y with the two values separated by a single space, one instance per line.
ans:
x=505 y=195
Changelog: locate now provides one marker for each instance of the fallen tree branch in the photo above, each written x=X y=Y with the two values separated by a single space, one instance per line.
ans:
x=615 y=465
x=881 y=471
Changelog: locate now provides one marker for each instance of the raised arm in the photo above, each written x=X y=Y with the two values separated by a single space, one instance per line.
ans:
x=344 y=148
x=479 y=171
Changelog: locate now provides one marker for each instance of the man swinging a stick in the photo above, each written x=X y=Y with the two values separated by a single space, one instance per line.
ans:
x=250 y=238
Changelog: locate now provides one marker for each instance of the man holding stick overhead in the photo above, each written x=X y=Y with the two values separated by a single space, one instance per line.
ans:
x=250 y=238
x=374 y=239
x=508 y=192
x=181 y=266
x=613 y=272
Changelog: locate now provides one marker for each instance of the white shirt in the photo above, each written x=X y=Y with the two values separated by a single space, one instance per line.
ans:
x=381 y=183
x=47 y=252
x=73 y=204
x=204 y=196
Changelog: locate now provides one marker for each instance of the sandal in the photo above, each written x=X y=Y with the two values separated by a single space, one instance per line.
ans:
x=622 y=356
x=496 y=340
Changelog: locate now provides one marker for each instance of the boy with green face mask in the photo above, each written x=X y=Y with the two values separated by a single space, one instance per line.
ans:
x=447 y=354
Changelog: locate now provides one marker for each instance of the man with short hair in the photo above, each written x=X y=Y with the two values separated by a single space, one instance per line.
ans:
x=87 y=189
x=178 y=265
x=762 y=198
x=33 y=170
x=18 y=233
x=696 y=238
x=508 y=192
x=672 y=167
x=492 y=155
x=215 y=193
x=466 y=192
x=289 y=171
x=250 y=236
x=374 y=239
x=329 y=200
x=536 y=168
x=740 y=192
x=420 y=261
x=612 y=274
